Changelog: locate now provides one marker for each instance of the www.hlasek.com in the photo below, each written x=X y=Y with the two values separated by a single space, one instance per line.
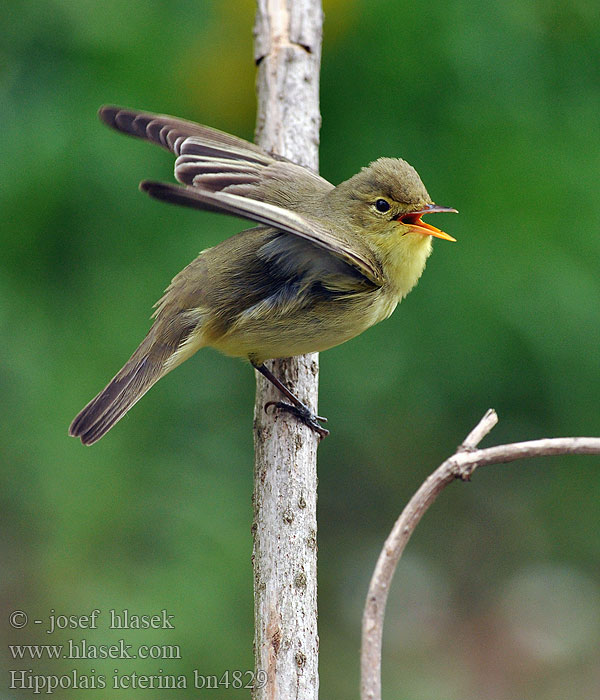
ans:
x=82 y=649
x=74 y=680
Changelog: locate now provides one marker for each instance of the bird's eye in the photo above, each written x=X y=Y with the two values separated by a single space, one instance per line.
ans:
x=382 y=206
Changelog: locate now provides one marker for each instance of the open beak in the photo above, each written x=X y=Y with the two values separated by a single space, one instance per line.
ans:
x=413 y=220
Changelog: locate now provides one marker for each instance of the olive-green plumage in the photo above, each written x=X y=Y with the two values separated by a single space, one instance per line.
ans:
x=324 y=264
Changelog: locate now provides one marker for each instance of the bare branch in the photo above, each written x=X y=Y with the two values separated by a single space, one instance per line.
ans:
x=460 y=466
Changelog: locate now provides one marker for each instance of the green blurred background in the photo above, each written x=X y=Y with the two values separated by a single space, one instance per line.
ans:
x=496 y=104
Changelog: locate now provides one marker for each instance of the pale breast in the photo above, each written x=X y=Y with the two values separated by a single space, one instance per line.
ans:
x=272 y=335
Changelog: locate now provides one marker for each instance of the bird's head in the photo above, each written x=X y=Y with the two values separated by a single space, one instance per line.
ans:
x=386 y=200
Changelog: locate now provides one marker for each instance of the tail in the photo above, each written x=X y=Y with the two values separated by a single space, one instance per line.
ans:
x=141 y=371
x=157 y=355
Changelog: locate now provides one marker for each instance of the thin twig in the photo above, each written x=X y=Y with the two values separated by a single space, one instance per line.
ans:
x=485 y=425
x=460 y=466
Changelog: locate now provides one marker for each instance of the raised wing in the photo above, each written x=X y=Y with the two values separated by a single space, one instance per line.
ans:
x=211 y=158
x=223 y=173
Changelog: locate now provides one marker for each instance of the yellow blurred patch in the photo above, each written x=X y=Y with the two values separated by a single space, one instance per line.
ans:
x=340 y=16
x=217 y=71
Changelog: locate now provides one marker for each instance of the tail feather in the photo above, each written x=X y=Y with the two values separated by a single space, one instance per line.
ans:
x=170 y=341
x=113 y=402
x=174 y=336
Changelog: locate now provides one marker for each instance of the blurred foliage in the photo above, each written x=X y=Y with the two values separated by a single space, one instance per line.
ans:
x=496 y=105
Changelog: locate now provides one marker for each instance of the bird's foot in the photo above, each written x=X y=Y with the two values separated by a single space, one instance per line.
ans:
x=304 y=414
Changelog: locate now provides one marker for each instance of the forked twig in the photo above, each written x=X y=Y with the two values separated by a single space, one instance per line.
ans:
x=460 y=465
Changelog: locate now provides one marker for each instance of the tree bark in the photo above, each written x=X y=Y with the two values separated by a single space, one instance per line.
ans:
x=287 y=52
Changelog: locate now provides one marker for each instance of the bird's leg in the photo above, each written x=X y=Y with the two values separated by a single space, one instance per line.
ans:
x=296 y=406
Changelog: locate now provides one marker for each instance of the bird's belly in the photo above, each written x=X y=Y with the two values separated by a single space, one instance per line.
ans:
x=309 y=330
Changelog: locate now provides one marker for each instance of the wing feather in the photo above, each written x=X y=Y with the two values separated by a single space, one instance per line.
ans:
x=223 y=173
x=171 y=132
x=354 y=252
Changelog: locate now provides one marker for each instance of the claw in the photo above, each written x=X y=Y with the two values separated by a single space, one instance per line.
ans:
x=304 y=414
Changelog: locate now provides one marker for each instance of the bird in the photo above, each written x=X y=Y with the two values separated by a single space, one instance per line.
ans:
x=323 y=264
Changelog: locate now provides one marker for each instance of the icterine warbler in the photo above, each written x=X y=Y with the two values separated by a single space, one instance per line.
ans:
x=324 y=264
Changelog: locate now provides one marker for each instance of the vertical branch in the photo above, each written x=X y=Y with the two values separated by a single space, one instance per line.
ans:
x=287 y=52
